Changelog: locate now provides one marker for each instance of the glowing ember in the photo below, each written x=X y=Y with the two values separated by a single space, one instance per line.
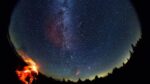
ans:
x=29 y=72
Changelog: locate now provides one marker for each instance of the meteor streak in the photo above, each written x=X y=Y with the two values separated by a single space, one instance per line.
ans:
x=29 y=72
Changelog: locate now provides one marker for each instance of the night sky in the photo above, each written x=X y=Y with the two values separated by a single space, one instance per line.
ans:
x=75 y=39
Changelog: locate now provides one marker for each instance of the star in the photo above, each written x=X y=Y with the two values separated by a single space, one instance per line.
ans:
x=89 y=67
x=71 y=57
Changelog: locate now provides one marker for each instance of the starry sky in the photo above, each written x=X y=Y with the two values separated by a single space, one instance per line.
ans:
x=74 y=39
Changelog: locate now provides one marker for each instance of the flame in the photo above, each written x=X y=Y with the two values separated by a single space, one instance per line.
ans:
x=29 y=72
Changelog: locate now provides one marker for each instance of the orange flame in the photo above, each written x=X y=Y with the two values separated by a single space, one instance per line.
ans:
x=29 y=72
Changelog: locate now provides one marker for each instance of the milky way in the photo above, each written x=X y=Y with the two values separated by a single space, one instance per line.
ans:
x=74 y=39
